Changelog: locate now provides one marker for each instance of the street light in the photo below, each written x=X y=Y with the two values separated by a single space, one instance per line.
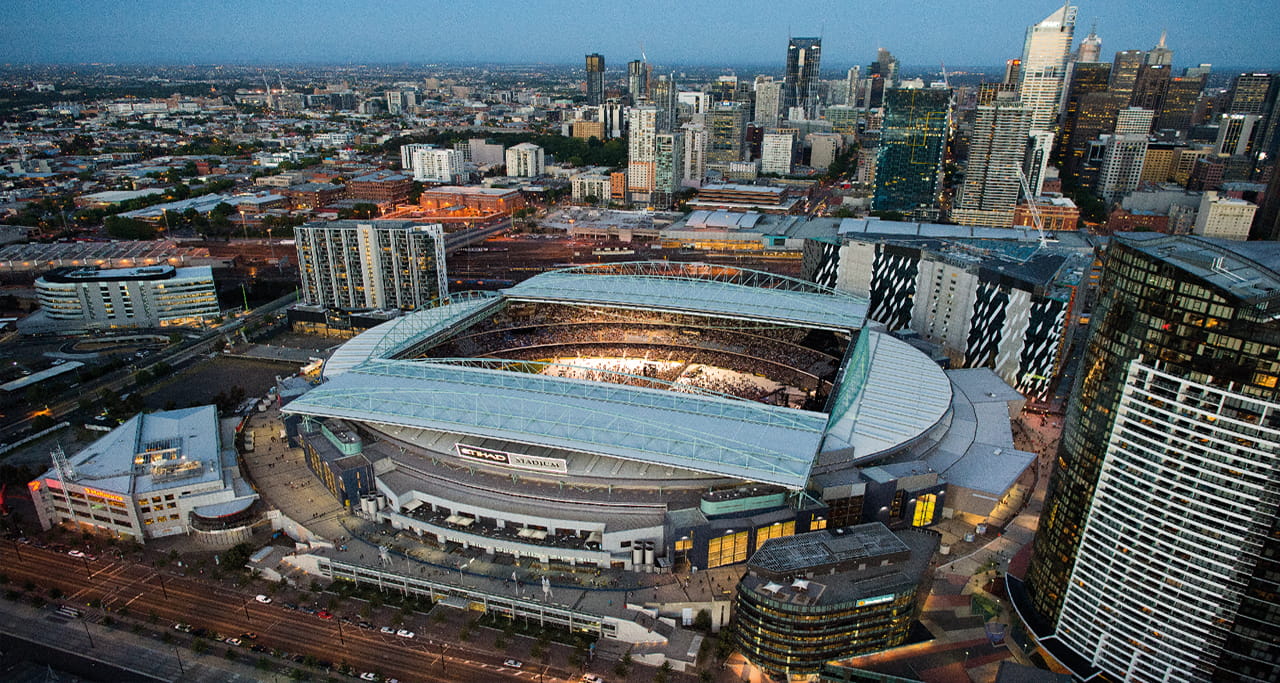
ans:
x=244 y=224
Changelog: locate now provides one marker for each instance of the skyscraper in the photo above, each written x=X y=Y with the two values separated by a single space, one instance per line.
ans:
x=668 y=168
x=727 y=131
x=696 y=141
x=913 y=136
x=800 y=86
x=595 y=79
x=662 y=93
x=1160 y=55
x=1090 y=48
x=997 y=149
x=1156 y=556
x=1150 y=87
x=642 y=151
x=1045 y=55
x=1179 y=103
x=638 y=73
x=1086 y=78
x=1124 y=70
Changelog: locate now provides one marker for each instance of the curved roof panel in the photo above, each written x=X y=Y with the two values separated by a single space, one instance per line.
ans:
x=699 y=288
x=721 y=436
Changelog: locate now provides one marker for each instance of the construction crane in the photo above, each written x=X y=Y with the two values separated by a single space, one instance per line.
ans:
x=945 y=81
x=1032 y=206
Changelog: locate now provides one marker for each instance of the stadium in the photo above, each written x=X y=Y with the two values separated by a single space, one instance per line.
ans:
x=650 y=416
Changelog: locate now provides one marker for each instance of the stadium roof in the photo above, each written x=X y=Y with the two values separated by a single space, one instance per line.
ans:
x=723 y=436
x=699 y=288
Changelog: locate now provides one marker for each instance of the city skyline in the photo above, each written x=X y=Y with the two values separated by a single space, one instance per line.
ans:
x=324 y=32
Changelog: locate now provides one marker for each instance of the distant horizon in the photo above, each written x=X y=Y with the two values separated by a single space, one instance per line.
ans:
x=561 y=32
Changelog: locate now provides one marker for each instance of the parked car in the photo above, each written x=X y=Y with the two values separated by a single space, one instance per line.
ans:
x=263 y=599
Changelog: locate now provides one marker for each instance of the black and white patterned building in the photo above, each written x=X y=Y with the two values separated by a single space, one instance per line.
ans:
x=988 y=297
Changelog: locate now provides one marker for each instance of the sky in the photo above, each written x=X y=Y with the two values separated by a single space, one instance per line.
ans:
x=1236 y=33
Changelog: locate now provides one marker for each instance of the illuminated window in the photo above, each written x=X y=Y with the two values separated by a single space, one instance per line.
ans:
x=818 y=524
x=779 y=530
x=683 y=545
x=924 y=509
x=727 y=549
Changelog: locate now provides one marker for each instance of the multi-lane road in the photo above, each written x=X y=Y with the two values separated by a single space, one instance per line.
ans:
x=226 y=611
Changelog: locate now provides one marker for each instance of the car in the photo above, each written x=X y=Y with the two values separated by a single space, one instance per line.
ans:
x=368 y=676
x=263 y=599
x=234 y=641
x=249 y=635
x=324 y=614
x=405 y=633
x=388 y=629
x=76 y=554
x=184 y=628
x=364 y=625
x=513 y=663
x=591 y=678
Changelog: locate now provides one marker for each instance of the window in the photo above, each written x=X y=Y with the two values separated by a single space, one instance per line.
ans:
x=728 y=549
x=924 y=509
x=778 y=530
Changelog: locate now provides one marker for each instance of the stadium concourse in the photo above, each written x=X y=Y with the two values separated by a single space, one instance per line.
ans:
x=652 y=417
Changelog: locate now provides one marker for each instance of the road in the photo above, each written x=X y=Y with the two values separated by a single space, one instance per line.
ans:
x=229 y=612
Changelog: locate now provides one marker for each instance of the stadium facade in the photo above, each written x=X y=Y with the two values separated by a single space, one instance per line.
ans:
x=654 y=415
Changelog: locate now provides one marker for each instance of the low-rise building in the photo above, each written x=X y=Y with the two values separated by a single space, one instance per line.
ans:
x=1224 y=217
x=1056 y=213
x=381 y=187
x=824 y=595
x=477 y=200
x=90 y=298
x=158 y=474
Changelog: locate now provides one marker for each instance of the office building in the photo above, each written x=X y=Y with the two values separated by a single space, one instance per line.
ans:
x=435 y=165
x=1150 y=87
x=335 y=453
x=1045 y=56
x=913 y=137
x=768 y=101
x=157 y=474
x=92 y=298
x=727 y=130
x=1226 y=218
x=1160 y=55
x=997 y=150
x=776 y=151
x=853 y=85
x=351 y=265
x=1086 y=78
x=525 y=160
x=1124 y=70
x=1179 y=103
x=1250 y=93
x=823 y=149
x=800 y=85
x=595 y=79
x=811 y=598
x=1236 y=134
x=1155 y=558
x=1090 y=48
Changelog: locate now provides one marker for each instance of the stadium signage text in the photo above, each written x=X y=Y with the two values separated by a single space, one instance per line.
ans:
x=524 y=462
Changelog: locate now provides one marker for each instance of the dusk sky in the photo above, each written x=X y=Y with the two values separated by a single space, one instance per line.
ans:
x=1238 y=33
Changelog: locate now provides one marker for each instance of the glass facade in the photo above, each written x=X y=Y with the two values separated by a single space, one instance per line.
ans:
x=1199 y=315
x=913 y=137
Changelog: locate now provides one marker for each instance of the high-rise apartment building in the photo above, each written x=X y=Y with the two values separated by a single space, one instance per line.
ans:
x=1157 y=554
x=1122 y=162
x=1045 y=55
x=997 y=150
x=435 y=165
x=768 y=101
x=595 y=79
x=642 y=152
x=776 y=151
x=526 y=160
x=662 y=93
x=638 y=74
x=696 y=141
x=668 y=168
x=407 y=152
x=800 y=86
x=913 y=137
x=352 y=265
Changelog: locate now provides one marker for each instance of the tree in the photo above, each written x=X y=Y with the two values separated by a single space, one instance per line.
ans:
x=129 y=228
